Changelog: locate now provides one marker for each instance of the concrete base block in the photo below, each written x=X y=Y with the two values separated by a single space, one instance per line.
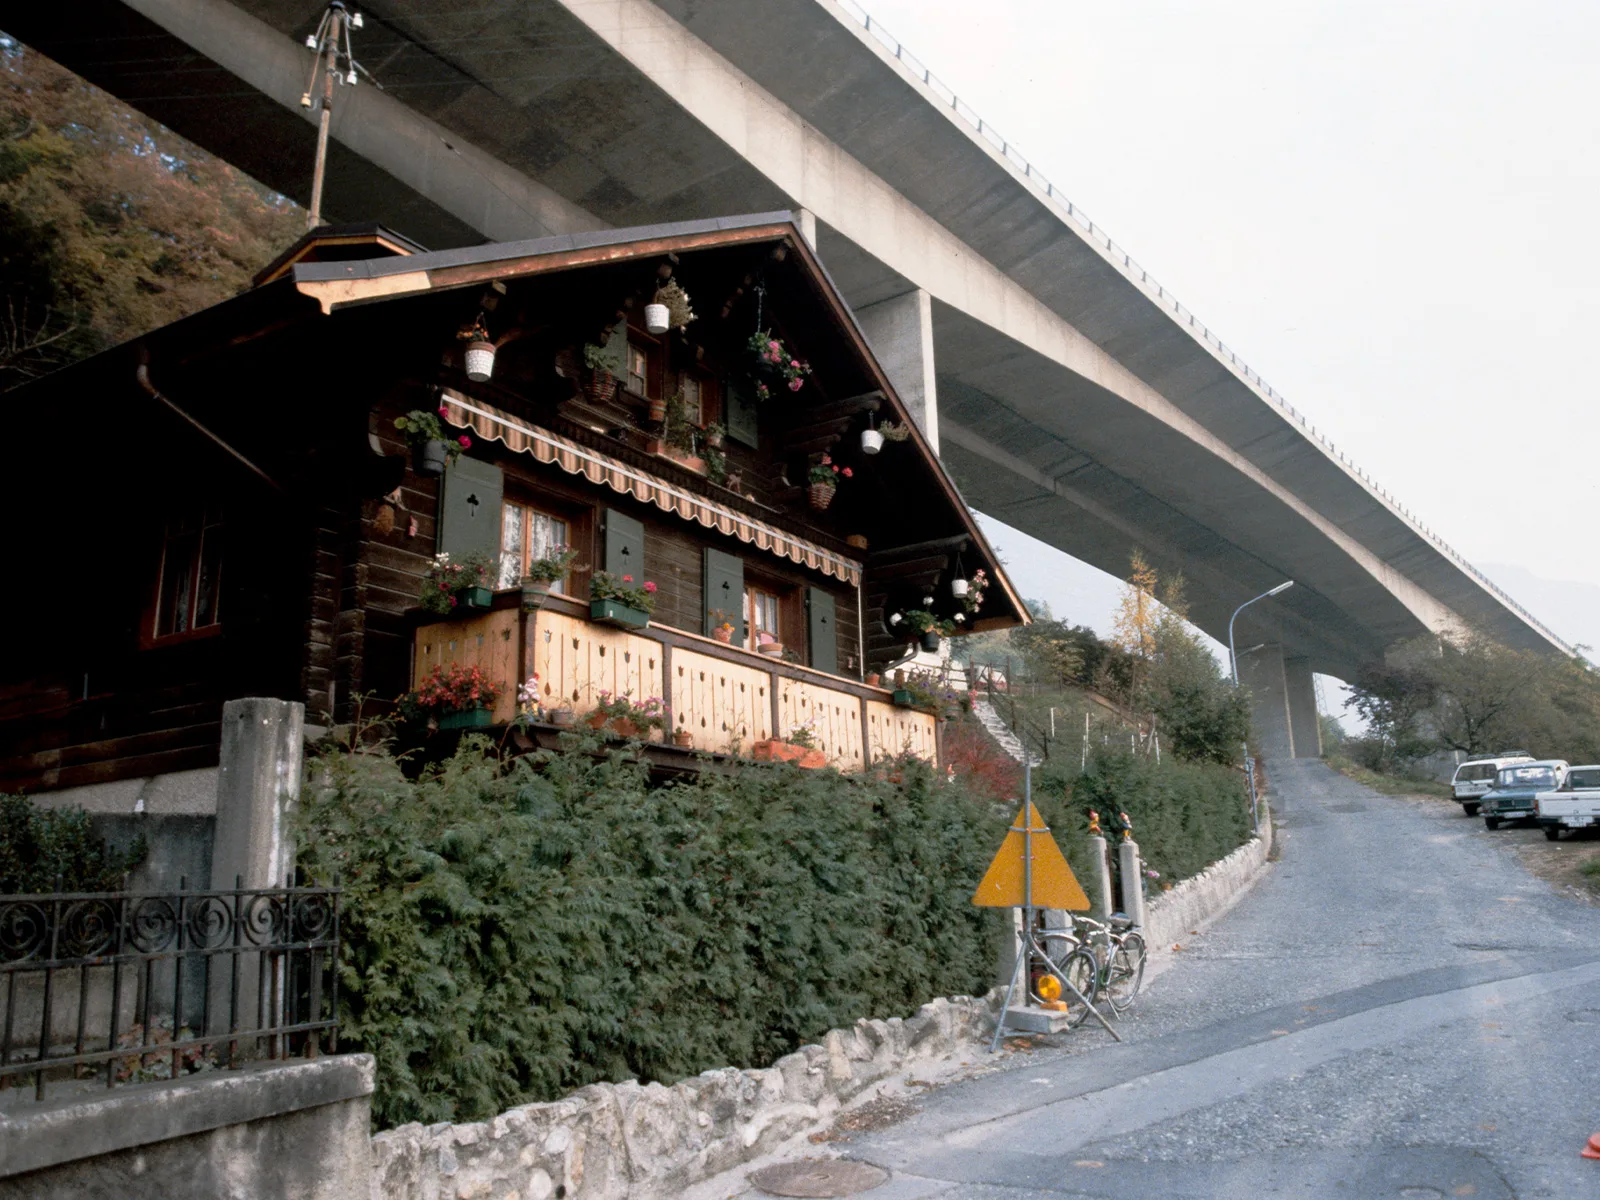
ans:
x=1037 y=1020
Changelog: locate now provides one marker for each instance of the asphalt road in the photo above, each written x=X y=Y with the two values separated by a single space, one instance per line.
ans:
x=1397 y=1010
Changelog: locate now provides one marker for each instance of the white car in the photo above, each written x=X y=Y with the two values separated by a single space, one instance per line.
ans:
x=1573 y=805
x=1476 y=776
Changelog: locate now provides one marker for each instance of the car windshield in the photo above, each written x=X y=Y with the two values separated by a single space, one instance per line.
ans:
x=1585 y=779
x=1527 y=777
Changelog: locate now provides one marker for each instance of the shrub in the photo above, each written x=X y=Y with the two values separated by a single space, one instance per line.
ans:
x=41 y=848
x=514 y=932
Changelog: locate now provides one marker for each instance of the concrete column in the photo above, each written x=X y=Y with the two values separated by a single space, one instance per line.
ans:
x=900 y=331
x=1262 y=672
x=258 y=784
x=1102 y=875
x=1132 y=881
x=1301 y=690
x=808 y=226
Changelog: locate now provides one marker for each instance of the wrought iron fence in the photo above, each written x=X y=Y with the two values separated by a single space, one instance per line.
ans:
x=137 y=987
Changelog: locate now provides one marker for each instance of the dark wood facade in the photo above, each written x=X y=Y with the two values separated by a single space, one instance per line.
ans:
x=276 y=410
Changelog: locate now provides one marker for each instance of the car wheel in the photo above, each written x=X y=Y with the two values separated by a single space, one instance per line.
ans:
x=1492 y=822
x=1552 y=833
x=1471 y=807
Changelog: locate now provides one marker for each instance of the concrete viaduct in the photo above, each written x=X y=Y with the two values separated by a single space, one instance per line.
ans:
x=1069 y=394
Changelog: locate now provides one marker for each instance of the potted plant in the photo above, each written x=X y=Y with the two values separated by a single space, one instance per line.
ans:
x=671 y=297
x=972 y=598
x=457 y=697
x=683 y=739
x=823 y=481
x=452 y=584
x=678 y=433
x=563 y=716
x=542 y=572
x=714 y=434
x=722 y=627
x=603 y=367
x=799 y=748
x=432 y=447
x=873 y=679
x=656 y=408
x=479 y=357
x=928 y=627
x=620 y=716
x=775 y=362
x=614 y=601
x=769 y=645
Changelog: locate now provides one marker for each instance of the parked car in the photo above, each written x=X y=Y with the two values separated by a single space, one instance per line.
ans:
x=1515 y=786
x=1573 y=805
x=1476 y=776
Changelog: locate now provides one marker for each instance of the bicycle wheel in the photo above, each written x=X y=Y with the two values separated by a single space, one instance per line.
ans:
x=1080 y=970
x=1126 y=972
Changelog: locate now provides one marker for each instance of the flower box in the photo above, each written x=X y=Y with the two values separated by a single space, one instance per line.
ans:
x=474 y=597
x=778 y=750
x=470 y=718
x=903 y=698
x=620 y=727
x=614 y=612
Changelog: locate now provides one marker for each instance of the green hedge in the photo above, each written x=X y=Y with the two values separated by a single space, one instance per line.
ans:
x=46 y=849
x=514 y=933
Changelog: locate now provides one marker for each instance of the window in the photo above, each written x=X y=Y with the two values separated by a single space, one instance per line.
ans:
x=638 y=370
x=527 y=534
x=189 y=589
x=760 y=616
x=693 y=400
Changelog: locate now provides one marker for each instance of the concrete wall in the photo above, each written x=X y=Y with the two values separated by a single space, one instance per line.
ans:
x=298 y=1131
x=1301 y=691
x=1205 y=897
x=1261 y=671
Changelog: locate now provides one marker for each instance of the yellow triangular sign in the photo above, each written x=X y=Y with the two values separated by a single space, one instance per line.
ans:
x=1054 y=884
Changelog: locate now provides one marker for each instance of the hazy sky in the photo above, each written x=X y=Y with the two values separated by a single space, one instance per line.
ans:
x=1392 y=211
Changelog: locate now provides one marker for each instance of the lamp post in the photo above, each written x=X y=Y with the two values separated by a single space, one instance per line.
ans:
x=1233 y=658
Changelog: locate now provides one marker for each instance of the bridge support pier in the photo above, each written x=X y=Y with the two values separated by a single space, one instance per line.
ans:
x=900 y=330
x=1283 y=703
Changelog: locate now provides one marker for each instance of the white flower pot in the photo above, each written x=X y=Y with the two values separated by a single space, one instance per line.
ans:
x=480 y=361
x=958 y=588
x=655 y=318
x=871 y=441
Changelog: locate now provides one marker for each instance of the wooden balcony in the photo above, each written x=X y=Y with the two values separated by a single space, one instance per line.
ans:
x=728 y=698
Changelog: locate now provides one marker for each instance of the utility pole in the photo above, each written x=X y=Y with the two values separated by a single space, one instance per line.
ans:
x=330 y=44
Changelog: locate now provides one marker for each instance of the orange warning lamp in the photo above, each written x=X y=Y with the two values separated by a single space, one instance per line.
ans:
x=1048 y=987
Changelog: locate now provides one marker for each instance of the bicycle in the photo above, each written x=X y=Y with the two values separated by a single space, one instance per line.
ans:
x=1119 y=954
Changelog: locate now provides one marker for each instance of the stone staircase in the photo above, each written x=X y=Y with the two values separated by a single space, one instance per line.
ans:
x=1001 y=732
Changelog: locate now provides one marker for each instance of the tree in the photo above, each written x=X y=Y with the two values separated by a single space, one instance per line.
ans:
x=1392 y=699
x=1488 y=694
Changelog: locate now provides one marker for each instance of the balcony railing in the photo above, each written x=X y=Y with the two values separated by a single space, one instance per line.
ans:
x=726 y=698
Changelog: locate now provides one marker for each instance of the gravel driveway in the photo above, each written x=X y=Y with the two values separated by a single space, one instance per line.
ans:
x=1399 y=1009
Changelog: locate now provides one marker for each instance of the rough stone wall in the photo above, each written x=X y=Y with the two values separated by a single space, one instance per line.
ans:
x=650 y=1140
x=1171 y=915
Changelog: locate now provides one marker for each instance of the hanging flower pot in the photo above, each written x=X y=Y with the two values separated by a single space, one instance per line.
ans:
x=930 y=640
x=821 y=495
x=430 y=457
x=534 y=593
x=657 y=318
x=602 y=386
x=958 y=587
x=480 y=361
x=871 y=441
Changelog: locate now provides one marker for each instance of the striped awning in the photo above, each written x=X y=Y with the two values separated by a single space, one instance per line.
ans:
x=495 y=425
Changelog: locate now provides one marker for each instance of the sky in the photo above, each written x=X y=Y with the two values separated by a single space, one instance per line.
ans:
x=1391 y=211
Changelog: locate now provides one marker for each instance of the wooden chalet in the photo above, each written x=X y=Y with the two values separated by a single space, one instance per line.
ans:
x=226 y=508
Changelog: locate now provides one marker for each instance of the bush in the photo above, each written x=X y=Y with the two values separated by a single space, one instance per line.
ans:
x=45 y=850
x=512 y=933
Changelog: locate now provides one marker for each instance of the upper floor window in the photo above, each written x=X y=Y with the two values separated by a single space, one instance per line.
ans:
x=188 y=594
x=638 y=370
x=527 y=534
x=760 y=616
x=694 y=400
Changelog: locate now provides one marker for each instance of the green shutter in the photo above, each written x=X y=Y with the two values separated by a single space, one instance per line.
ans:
x=724 y=592
x=823 y=631
x=740 y=419
x=469 y=508
x=624 y=545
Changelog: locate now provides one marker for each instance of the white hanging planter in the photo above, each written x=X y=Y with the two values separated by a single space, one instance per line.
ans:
x=656 y=318
x=871 y=441
x=480 y=361
x=958 y=588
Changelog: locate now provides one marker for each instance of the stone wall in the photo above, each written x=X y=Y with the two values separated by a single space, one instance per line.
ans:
x=1169 y=916
x=628 y=1139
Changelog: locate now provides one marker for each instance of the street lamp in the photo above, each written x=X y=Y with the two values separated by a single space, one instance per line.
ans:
x=1233 y=658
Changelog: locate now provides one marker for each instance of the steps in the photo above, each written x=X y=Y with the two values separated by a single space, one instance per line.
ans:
x=1001 y=732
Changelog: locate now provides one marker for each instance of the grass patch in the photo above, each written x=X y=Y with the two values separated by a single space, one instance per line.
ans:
x=1390 y=785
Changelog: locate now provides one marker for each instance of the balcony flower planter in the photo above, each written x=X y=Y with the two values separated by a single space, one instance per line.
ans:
x=616 y=726
x=872 y=679
x=903 y=698
x=613 y=612
x=602 y=386
x=474 y=597
x=467 y=718
x=534 y=593
x=777 y=750
x=430 y=457
x=771 y=649
x=656 y=408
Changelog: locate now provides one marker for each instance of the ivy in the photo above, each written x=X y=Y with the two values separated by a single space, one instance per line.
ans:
x=514 y=931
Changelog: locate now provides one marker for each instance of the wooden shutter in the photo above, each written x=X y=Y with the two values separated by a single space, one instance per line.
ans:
x=739 y=418
x=624 y=546
x=822 y=630
x=724 y=592
x=469 y=508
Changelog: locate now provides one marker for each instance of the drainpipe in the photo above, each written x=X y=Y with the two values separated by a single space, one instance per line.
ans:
x=142 y=374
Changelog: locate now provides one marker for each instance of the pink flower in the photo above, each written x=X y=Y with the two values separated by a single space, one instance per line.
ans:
x=464 y=440
x=443 y=411
x=796 y=384
x=826 y=460
x=773 y=344
x=650 y=587
x=847 y=472
x=795 y=363
x=627 y=579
